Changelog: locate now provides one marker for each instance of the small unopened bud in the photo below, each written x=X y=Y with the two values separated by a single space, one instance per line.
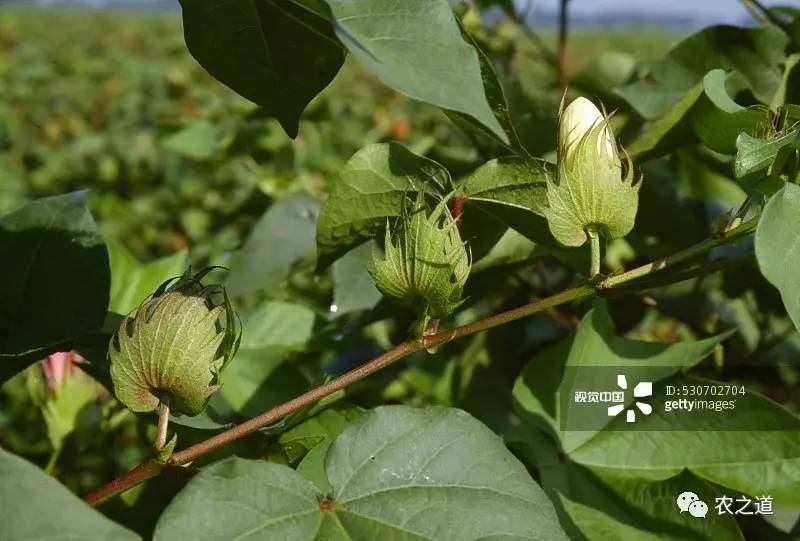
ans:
x=578 y=119
x=174 y=347
x=592 y=191
x=425 y=264
x=58 y=368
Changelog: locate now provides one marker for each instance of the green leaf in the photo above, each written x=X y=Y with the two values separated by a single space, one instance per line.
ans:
x=699 y=179
x=62 y=408
x=513 y=182
x=778 y=246
x=34 y=505
x=216 y=415
x=757 y=53
x=789 y=82
x=664 y=133
x=544 y=382
x=132 y=282
x=242 y=498
x=514 y=191
x=603 y=507
x=278 y=324
x=311 y=439
x=397 y=472
x=497 y=101
x=259 y=379
x=436 y=472
x=276 y=53
x=714 y=447
x=370 y=189
x=353 y=286
x=55 y=279
x=282 y=238
x=512 y=247
x=754 y=451
x=198 y=140
x=718 y=120
x=754 y=154
x=416 y=47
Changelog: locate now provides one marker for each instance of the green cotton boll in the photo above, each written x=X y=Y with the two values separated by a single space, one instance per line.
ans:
x=590 y=192
x=174 y=348
x=424 y=263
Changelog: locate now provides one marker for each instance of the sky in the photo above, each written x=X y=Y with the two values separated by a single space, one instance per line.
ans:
x=688 y=13
x=697 y=12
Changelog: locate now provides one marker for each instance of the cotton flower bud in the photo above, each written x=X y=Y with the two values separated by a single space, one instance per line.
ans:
x=58 y=368
x=577 y=120
x=174 y=347
x=592 y=190
x=425 y=264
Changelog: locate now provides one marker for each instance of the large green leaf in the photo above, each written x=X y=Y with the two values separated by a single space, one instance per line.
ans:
x=55 y=279
x=370 y=189
x=33 y=505
x=396 y=473
x=513 y=182
x=497 y=101
x=277 y=53
x=514 y=191
x=754 y=451
x=547 y=382
x=416 y=47
x=603 y=507
x=282 y=238
x=132 y=282
x=778 y=246
x=244 y=499
x=718 y=120
x=757 y=53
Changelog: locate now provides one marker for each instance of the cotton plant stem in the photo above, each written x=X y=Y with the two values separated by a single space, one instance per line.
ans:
x=152 y=468
x=659 y=279
x=680 y=257
x=51 y=462
x=163 y=423
x=594 y=252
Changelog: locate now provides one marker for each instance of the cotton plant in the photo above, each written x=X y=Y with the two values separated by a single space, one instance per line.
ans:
x=170 y=353
x=595 y=193
x=424 y=263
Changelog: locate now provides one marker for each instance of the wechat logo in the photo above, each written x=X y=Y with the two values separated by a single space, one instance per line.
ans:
x=688 y=501
x=641 y=390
